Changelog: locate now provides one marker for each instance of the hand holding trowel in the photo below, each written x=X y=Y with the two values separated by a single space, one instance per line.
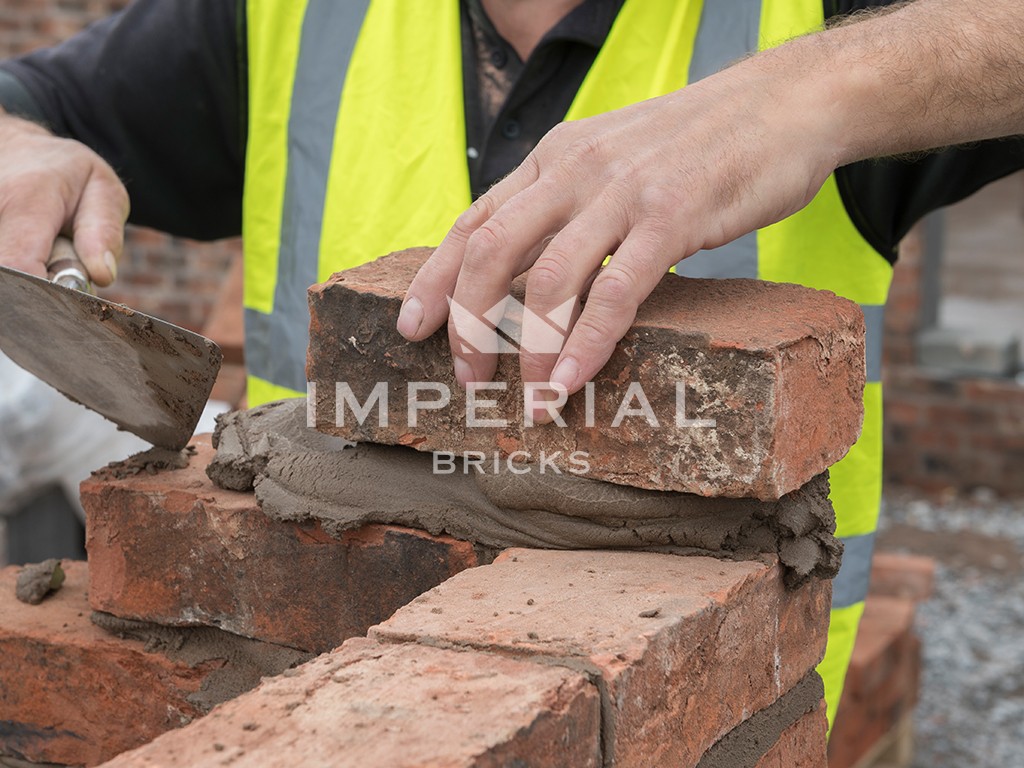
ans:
x=147 y=376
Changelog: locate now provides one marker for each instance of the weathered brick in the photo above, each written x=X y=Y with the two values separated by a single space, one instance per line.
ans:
x=780 y=368
x=802 y=745
x=882 y=682
x=900 y=575
x=397 y=705
x=72 y=693
x=685 y=648
x=174 y=549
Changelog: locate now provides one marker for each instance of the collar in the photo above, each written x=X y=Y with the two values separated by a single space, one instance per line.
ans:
x=588 y=23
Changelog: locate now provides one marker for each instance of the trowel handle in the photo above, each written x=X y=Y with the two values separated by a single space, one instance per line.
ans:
x=65 y=268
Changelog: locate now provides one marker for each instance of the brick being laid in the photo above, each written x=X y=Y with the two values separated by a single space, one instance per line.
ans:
x=778 y=370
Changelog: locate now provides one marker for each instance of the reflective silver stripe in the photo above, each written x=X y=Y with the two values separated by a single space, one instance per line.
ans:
x=15 y=98
x=275 y=344
x=850 y=586
x=735 y=259
x=728 y=31
x=874 y=321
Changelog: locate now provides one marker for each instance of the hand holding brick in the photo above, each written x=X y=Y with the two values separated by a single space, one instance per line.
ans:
x=778 y=369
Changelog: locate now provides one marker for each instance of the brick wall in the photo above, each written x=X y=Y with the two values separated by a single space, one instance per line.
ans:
x=436 y=651
x=943 y=431
x=169 y=277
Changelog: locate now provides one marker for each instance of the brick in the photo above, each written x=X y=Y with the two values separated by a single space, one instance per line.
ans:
x=780 y=368
x=397 y=705
x=226 y=321
x=882 y=682
x=174 y=549
x=72 y=693
x=802 y=745
x=900 y=575
x=981 y=443
x=792 y=731
x=672 y=683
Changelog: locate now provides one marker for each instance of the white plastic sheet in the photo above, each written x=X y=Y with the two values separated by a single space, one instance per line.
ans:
x=46 y=438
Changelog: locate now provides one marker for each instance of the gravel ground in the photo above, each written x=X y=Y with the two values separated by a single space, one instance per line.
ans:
x=971 y=711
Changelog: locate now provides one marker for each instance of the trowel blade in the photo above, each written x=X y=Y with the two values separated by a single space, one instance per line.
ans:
x=147 y=376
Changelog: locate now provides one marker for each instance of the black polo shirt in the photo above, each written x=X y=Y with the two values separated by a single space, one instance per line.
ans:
x=160 y=89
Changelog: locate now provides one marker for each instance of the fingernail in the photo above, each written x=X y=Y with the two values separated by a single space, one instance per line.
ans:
x=410 y=318
x=463 y=373
x=565 y=374
x=542 y=416
x=111 y=262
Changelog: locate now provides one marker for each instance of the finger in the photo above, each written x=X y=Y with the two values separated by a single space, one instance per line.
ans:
x=98 y=225
x=500 y=249
x=425 y=307
x=27 y=232
x=556 y=283
x=618 y=290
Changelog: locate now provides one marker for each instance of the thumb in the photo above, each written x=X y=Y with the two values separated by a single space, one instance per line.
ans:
x=98 y=225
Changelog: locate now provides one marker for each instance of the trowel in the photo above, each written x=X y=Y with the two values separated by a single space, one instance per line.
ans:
x=146 y=375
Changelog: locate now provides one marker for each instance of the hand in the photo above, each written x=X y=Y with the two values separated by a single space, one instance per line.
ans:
x=649 y=184
x=50 y=186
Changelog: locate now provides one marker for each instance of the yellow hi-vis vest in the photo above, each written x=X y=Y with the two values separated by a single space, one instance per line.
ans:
x=357 y=147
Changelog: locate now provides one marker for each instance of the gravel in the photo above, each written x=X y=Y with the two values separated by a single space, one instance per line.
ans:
x=971 y=710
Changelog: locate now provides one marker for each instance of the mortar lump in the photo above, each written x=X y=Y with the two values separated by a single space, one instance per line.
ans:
x=299 y=474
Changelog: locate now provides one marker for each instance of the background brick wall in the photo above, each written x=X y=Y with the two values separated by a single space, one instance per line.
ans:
x=172 y=278
x=944 y=431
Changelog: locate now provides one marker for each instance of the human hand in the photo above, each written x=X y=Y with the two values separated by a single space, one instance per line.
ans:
x=649 y=184
x=50 y=186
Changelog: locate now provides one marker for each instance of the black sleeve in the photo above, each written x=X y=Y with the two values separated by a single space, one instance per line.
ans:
x=159 y=91
x=886 y=197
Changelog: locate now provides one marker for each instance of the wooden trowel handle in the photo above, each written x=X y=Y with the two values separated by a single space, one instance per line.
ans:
x=65 y=268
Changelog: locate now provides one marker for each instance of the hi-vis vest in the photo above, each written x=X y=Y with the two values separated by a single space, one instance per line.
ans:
x=357 y=147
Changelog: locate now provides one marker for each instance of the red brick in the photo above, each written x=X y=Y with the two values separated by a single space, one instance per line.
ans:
x=900 y=575
x=779 y=367
x=882 y=682
x=72 y=693
x=673 y=683
x=802 y=745
x=397 y=705
x=226 y=322
x=174 y=549
x=979 y=443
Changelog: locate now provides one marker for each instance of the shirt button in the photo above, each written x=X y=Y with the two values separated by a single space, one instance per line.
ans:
x=511 y=129
x=499 y=58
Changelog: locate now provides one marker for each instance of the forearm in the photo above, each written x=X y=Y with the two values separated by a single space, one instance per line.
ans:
x=156 y=91
x=928 y=74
